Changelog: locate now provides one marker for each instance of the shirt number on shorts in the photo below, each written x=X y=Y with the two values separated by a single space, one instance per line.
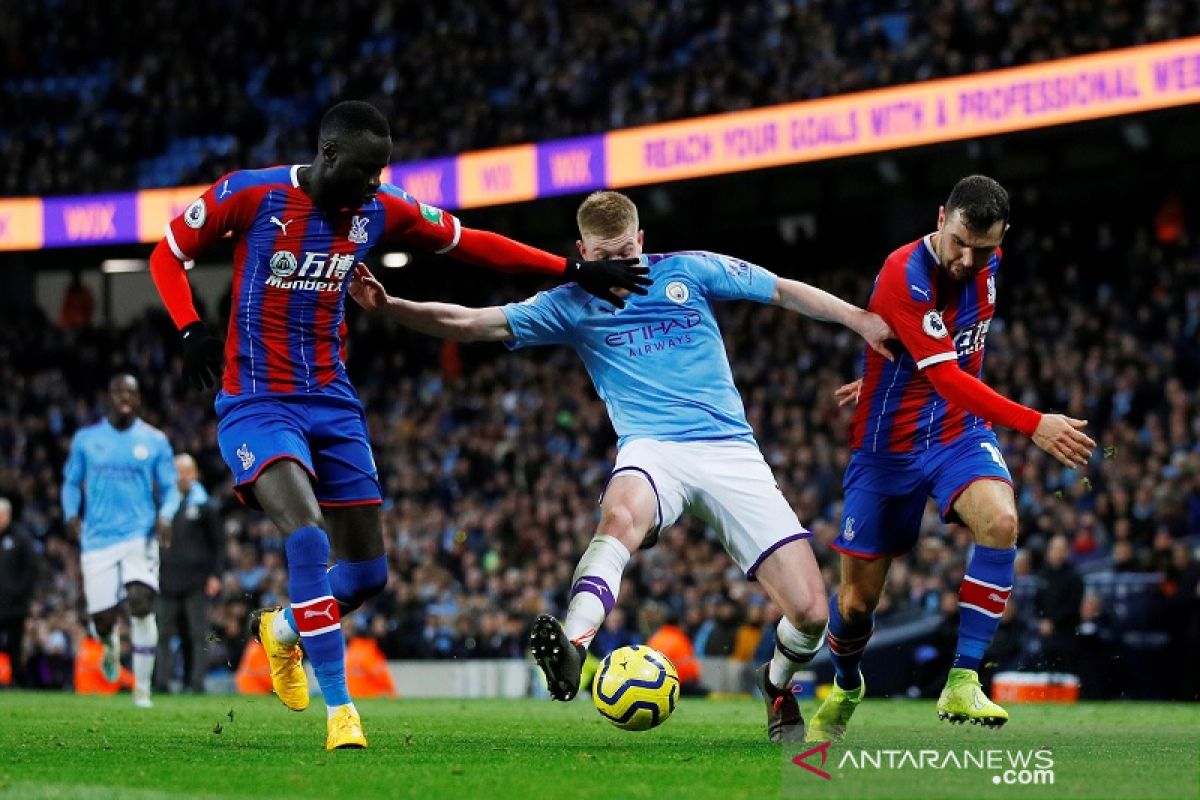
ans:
x=995 y=453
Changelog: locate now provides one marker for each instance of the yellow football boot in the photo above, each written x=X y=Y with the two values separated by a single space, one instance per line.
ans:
x=963 y=700
x=829 y=725
x=345 y=730
x=287 y=668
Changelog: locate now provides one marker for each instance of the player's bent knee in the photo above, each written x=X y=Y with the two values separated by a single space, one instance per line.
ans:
x=618 y=521
x=141 y=599
x=1001 y=531
x=855 y=606
x=104 y=622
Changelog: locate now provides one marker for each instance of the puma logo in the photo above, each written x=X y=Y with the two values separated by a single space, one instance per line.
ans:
x=327 y=612
x=283 y=226
x=995 y=598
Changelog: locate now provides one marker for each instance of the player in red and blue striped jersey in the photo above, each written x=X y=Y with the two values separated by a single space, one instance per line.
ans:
x=923 y=428
x=291 y=427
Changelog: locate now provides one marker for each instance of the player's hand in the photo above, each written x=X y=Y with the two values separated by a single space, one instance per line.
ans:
x=847 y=394
x=202 y=356
x=74 y=526
x=366 y=290
x=162 y=529
x=1063 y=438
x=876 y=332
x=601 y=277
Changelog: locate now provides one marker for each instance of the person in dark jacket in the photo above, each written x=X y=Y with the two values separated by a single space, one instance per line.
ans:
x=18 y=572
x=1059 y=595
x=189 y=578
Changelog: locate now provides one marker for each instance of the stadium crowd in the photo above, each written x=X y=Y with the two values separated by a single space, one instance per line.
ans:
x=244 y=85
x=491 y=464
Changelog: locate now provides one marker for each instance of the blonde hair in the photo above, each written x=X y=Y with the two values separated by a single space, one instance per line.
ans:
x=606 y=214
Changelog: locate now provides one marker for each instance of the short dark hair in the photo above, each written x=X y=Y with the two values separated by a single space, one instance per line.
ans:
x=354 y=116
x=981 y=201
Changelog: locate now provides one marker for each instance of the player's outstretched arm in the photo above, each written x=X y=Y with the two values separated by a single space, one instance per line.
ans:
x=443 y=320
x=599 y=278
x=1060 y=436
x=820 y=304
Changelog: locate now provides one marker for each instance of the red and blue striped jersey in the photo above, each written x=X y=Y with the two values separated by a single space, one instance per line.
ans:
x=936 y=319
x=292 y=267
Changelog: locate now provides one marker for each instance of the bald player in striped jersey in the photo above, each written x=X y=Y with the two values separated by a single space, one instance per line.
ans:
x=290 y=425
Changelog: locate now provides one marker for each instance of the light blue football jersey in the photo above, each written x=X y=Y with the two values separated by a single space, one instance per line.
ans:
x=124 y=479
x=659 y=364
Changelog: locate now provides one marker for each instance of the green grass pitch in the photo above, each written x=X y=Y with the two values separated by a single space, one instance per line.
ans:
x=62 y=746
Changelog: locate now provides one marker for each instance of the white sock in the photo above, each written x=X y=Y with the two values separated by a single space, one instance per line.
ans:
x=793 y=649
x=331 y=710
x=144 y=636
x=283 y=629
x=594 y=588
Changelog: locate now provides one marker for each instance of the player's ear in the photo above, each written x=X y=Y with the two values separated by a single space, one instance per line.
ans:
x=579 y=247
x=641 y=239
x=329 y=152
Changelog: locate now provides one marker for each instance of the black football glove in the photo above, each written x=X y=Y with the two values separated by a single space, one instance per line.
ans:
x=601 y=277
x=202 y=356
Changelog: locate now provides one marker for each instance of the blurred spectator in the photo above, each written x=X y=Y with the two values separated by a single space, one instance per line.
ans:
x=932 y=660
x=78 y=305
x=1096 y=653
x=668 y=638
x=189 y=576
x=18 y=576
x=614 y=633
x=1181 y=620
x=1059 y=594
x=719 y=633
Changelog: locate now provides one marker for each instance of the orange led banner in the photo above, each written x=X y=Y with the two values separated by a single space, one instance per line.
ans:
x=1053 y=93
x=492 y=177
x=21 y=224
x=157 y=207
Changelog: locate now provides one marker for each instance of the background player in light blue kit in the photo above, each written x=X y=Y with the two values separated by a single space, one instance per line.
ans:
x=121 y=474
x=684 y=444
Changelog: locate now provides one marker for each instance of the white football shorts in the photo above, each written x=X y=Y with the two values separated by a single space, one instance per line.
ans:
x=106 y=571
x=728 y=484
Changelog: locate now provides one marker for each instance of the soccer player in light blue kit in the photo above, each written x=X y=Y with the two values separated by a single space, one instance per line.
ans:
x=684 y=443
x=121 y=474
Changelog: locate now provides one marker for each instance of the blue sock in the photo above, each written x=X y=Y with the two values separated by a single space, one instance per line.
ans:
x=981 y=599
x=315 y=611
x=846 y=644
x=354 y=582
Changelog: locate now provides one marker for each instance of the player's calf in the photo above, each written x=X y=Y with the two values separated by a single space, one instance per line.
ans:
x=355 y=582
